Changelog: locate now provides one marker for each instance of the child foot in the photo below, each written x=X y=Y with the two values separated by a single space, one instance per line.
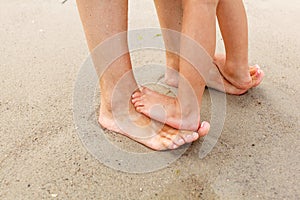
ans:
x=163 y=108
x=256 y=75
x=241 y=80
x=218 y=82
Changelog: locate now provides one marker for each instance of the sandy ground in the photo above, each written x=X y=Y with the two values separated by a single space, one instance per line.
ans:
x=41 y=156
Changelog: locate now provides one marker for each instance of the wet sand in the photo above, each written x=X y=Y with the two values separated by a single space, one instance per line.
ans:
x=41 y=156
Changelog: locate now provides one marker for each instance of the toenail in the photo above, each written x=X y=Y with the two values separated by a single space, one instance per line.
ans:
x=174 y=146
x=257 y=66
x=195 y=135
x=189 y=137
x=180 y=141
x=258 y=71
x=202 y=124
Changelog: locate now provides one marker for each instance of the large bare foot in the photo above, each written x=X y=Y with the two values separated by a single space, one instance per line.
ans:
x=162 y=138
x=164 y=109
x=240 y=79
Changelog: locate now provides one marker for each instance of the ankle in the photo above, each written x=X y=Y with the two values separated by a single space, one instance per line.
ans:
x=233 y=67
x=188 y=117
x=239 y=60
x=171 y=77
x=172 y=61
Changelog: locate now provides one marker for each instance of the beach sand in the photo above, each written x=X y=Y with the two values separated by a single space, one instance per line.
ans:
x=41 y=156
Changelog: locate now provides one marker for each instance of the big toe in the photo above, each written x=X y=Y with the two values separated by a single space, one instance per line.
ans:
x=258 y=77
x=204 y=129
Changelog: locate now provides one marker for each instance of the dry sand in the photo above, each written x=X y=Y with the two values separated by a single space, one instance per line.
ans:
x=41 y=157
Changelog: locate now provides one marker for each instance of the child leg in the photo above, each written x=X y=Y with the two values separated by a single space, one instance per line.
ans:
x=234 y=28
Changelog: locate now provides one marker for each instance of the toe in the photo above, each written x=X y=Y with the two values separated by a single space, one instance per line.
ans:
x=172 y=139
x=139 y=109
x=257 y=79
x=173 y=146
x=179 y=141
x=161 y=140
x=204 y=129
x=136 y=100
x=138 y=103
x=166 y=143
x=190 y=136
x=136 y=95
x=253 y=70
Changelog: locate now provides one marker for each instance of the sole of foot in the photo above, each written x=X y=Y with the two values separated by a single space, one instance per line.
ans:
x=166 y=138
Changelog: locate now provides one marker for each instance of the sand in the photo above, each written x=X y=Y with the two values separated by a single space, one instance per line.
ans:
x=41 y=156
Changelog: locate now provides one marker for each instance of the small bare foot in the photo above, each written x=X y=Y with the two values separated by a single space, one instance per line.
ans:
x=163 y=108
x=241 y=80
x=256 y=75
x=163 y=139
x=218 y=82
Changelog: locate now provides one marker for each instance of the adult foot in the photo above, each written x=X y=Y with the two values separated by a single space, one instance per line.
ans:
x=243 y=80
x=163 y=108
x=156 y=136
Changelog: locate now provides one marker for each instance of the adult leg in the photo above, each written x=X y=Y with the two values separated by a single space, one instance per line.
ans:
x=170 y=19
x=101 y=20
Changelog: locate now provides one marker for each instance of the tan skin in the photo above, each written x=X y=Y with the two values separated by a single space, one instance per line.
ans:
x=102 y=19
x=233 y=22
x=183 y=112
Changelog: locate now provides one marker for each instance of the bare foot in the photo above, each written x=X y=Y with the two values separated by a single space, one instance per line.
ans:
x=223 y=85
x=163 y=138
x=218 y=82
x=163 y=108
x=167 y=109
x=171 y=77
x=242 y=80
